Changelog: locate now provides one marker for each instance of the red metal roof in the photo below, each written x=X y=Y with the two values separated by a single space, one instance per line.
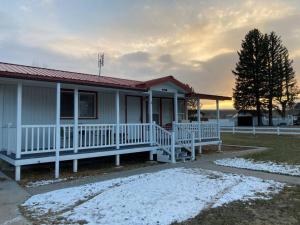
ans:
x=151 y=83
x=44 y=74
x=10 y=70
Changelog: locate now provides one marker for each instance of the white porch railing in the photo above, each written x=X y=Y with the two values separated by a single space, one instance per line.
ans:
x=38 y=138
x=132 y=134
x=209 y=130
x=202 y=131
x=42 y=138
x=96 y=135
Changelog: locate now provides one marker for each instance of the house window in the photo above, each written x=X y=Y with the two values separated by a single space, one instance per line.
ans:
x=87 y=104
x=67 y=104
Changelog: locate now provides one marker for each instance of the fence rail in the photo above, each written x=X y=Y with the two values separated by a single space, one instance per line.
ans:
x=262 y=130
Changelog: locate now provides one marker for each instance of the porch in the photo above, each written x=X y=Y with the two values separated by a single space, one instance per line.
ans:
x=52 y=122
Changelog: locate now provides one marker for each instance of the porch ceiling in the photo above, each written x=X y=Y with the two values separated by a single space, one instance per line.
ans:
x=208 y=97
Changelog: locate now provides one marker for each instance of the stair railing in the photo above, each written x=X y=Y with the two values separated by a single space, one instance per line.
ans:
x=185 y=138
x=165 y=140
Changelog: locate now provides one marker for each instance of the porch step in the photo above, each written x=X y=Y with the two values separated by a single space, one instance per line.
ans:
x=163 y=157
x=180 y=155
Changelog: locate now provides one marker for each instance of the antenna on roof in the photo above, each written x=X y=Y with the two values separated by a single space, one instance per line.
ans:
x=100 y=62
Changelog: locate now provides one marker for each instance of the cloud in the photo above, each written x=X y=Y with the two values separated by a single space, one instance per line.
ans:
x=196 y=41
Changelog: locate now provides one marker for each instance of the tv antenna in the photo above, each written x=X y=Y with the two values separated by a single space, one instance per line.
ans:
x=100 y=62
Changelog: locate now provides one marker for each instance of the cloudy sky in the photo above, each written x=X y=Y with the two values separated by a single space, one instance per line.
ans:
x=194 y=40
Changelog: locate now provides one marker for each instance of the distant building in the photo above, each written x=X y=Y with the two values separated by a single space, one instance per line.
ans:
x=249 y=118
x=296 y=113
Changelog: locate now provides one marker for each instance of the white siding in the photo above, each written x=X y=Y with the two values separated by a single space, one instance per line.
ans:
x=38 y=106
x=8 y=114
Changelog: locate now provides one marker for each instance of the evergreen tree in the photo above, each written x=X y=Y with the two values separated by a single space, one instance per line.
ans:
x=274 y=54
x=264 y=75
x=250 y=73
x=288 y=89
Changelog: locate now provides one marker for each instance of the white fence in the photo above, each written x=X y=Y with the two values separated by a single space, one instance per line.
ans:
x=262 y=130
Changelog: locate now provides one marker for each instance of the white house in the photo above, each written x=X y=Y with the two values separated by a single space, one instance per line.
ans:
x=49 y=115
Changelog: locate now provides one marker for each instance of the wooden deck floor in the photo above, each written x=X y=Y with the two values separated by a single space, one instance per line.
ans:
x=35 y=158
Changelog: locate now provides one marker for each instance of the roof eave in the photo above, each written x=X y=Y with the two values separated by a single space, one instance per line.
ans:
x=65 y=80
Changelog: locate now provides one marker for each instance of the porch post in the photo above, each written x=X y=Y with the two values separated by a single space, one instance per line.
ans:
x=57 y=140
x=198 y=111
x=218 y=124
x=19 y=120
x=19 y=130
x=117 y=102
x=199 y=124
x=176 y=107
x=150 y=116
x=75 y=130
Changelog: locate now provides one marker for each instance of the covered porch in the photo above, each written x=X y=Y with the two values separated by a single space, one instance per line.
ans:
x=52 y=122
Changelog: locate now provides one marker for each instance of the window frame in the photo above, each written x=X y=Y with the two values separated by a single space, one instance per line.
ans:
x=95 y=116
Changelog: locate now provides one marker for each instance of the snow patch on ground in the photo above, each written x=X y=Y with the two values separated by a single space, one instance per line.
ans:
x=293 y=170
x=153 y=198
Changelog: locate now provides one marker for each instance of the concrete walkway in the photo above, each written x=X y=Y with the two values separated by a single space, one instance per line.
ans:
x=203 y=162
x=11 y=196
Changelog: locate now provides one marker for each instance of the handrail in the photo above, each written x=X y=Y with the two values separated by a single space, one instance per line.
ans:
x=188 y=141
x=165 y=140
x=162 y=138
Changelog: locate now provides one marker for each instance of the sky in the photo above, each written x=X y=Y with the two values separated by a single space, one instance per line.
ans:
x=196 y=41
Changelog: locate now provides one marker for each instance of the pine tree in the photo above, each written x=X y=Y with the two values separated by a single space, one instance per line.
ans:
x=288 y=89
x=274 y=54
x=250 y=73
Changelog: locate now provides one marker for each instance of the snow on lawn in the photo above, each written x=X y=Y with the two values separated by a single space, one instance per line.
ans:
x=271 y=167
x=153 y=198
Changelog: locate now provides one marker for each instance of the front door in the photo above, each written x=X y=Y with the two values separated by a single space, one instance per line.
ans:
x=167 y=112
x=134 y=109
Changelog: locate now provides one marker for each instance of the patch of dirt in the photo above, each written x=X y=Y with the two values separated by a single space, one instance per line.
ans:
x=282 y=209
x=86 y=167
x=2 y=179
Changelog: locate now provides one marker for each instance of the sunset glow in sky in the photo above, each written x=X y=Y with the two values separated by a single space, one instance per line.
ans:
x=194 y=40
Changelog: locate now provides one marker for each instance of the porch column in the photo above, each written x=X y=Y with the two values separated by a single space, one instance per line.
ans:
x=75 y=131
x=198 y=110
x=218 y=124
x=19 y=130
x=117 y=102
x=150 y=116
x=176 y=107
x=199 y=124
x=218 y=117
x=57 y=140
x=19 y=120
